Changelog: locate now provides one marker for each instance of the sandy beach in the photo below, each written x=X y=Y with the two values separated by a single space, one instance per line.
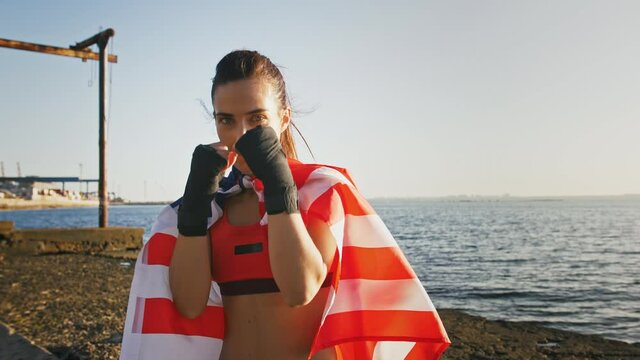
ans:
x=22 y=204
x=74 y=305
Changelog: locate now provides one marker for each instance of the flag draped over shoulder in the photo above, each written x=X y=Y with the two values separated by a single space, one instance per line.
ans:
x=377 y=307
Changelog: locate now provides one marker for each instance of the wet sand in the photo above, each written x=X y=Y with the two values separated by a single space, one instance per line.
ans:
x=74 y=305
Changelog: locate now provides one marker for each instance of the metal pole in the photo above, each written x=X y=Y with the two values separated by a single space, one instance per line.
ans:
x=102 y=191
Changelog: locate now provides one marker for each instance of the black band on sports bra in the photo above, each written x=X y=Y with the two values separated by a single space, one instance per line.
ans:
x=247 y=248
x=257 y=286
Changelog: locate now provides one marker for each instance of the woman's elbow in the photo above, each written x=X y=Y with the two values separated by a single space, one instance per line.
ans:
x=189 y=311
x=188 y=307
x=297 y=299
x=302 y=295
x=190 y=302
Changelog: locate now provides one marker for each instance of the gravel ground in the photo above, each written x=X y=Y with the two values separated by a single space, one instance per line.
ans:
x=74 y=305
x=474 y=337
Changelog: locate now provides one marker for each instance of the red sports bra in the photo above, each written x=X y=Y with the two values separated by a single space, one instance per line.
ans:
x=240 y=258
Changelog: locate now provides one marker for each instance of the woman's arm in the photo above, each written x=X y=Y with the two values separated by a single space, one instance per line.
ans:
x=298 y=265
x=190 y=268
x=190 y=274
x=300 y=255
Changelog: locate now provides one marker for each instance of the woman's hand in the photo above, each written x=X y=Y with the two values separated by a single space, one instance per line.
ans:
x=263 y=154
x=208 y=164
x=224 y=151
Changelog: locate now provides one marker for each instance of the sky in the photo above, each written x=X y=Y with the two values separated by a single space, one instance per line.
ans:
x=414 y=98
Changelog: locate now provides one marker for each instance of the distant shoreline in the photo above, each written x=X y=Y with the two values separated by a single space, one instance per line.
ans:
x=21 y=204
x=480 y=198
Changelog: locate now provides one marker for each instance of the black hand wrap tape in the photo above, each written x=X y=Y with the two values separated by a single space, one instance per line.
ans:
x=266 y=159
x=202 y=184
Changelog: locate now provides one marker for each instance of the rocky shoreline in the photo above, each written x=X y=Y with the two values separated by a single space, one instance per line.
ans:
x=74 y=306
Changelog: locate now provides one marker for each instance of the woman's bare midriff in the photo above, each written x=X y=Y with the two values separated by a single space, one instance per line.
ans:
x=263 y=326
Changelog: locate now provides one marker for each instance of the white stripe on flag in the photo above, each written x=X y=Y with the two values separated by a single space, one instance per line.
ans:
x=152 y=281
x=392 y=350
x=368 y=231
x=337 y=229
x=318 y=182
x=167 y=219
x=366 y=294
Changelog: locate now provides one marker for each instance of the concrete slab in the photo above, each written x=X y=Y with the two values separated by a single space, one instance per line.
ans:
x=89 y=240
x=16 y=347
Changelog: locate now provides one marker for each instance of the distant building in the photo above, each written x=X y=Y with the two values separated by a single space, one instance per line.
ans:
x=45 y=188
x=36 y=190
x=47 y=191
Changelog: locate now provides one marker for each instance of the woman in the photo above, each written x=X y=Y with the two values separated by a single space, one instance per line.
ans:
x=277 y=260
x=252 y=118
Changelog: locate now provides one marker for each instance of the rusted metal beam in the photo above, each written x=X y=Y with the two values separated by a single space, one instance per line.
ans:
x=101 y=37
x=53 y=50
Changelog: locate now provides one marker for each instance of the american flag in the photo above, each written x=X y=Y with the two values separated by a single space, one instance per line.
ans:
x=377 y=308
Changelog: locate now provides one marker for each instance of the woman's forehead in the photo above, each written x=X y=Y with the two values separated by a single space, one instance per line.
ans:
x=243 y=95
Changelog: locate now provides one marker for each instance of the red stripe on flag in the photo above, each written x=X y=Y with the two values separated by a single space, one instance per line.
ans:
x=337 y=201
x=301 y=171
x=160 y=249
x=382 y=263
x=357 y=350
x=327 y=207
x=382 y=325
x=162 y=317
x=352 y=201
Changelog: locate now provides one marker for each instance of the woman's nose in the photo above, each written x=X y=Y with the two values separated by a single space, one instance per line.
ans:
x=241 y=131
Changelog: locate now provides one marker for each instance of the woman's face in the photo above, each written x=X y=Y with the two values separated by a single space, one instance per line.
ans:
x=242 y=105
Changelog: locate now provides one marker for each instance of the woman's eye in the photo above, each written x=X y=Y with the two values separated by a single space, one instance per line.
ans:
x=227 y=121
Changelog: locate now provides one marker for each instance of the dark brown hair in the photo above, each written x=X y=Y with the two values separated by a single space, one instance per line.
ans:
x=249 y=64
